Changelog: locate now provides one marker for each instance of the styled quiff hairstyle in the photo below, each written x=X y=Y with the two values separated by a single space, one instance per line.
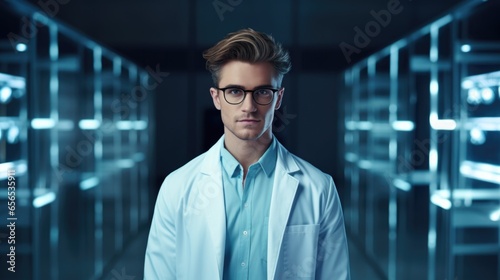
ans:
x=250 y=46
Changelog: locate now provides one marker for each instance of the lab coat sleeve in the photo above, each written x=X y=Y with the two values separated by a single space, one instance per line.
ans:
x=160 y=259
x=333 y=255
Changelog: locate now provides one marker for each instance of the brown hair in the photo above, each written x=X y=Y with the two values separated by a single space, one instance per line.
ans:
x=247 y=45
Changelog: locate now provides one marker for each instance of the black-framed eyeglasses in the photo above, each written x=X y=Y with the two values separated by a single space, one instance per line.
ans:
x=261 y=96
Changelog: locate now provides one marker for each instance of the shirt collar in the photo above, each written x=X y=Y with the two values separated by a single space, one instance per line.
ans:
x=229 y=163
x=267 y=161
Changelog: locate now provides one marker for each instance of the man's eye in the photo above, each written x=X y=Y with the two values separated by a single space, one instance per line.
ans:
x=263 y=92
x=234 y=91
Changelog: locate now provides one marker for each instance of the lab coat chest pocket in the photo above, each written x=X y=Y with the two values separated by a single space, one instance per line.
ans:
x=299 y=251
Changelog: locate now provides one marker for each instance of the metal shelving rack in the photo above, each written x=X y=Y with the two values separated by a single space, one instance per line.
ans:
x=378 y=129
x=76 y=125
x=421 y=120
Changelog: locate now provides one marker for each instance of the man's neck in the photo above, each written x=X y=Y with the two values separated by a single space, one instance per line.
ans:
x=247 y=152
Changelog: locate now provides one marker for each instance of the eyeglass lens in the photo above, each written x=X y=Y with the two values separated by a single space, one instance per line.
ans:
x=236 y=95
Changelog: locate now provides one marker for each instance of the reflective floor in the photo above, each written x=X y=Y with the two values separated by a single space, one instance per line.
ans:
x=129 y=266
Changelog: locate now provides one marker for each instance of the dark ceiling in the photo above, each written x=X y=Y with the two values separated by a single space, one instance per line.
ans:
x=174 y=31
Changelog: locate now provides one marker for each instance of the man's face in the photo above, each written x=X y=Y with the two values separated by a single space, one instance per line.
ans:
x=247 y=120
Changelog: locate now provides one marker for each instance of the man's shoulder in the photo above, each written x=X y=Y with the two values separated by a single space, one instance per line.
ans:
x=196 y=165
x=180 y=181
x=302 y=164
x=306 y=165
x=190 y=168
x=313 y=180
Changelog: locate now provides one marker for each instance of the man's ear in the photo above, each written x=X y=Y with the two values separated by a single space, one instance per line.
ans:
x=281 y=92
x=215 y=97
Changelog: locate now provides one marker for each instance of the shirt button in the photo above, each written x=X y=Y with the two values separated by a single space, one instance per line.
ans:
x=245 y=232
x=243 y=264
x=246 y=205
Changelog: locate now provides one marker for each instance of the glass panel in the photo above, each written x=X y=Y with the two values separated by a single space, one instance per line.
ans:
x=73 y=148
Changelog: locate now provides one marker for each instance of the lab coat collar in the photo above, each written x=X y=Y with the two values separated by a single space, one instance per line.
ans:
x=284 y=190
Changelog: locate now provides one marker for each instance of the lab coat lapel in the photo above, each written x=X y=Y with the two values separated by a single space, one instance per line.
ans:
x=285 y=187
x=215 y=212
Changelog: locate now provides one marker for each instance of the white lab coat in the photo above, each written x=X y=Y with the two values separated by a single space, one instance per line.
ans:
x=306 y=228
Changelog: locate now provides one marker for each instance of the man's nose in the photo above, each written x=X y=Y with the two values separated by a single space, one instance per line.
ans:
x=248 y=104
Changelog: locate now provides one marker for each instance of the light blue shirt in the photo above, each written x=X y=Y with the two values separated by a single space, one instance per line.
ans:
x=247 y=214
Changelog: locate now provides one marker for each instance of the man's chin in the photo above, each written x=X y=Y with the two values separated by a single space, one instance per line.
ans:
x=249 y=136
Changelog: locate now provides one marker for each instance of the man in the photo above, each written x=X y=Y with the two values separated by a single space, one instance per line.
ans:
x=247 y=208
